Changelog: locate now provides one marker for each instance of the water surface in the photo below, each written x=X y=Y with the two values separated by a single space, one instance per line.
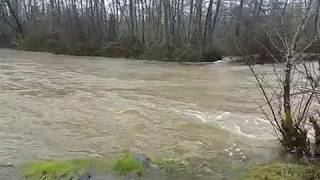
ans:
x=56 y=106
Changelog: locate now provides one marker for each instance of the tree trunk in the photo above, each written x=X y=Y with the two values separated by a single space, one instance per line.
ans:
x=199 y=28
x=316 y=19
x=215 y=19
x=16 y=18
x=208 y=23
x=240 y=13
x=190 y=20
x=287 y=89
x=316 y=128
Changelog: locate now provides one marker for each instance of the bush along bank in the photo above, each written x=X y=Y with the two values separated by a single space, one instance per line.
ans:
x=122 y=48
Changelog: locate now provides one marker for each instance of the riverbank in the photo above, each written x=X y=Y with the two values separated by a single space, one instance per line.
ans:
x=135 y=167
x=141 y=167
x=119 y=49
x=284 y=171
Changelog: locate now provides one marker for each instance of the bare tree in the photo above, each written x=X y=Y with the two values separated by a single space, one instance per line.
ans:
x=15 y=16
x=292 y=103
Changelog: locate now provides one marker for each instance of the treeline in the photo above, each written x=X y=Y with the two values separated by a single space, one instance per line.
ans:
x=187 y=30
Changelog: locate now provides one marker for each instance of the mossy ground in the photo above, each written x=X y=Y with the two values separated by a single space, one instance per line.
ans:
x=66 y=169
x=127 y=163
x=284 y=171
x=73 y=169
x=175 y=169
x=123 y=165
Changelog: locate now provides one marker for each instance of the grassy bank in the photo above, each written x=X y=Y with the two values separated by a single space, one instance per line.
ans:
x=284 y=171
x=113 y=168
x=74 y=169
x=127 y=165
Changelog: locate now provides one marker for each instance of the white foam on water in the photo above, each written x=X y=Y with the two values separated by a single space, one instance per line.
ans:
x=241 y=124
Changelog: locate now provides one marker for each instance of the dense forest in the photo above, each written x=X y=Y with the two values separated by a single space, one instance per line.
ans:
x=194 y=30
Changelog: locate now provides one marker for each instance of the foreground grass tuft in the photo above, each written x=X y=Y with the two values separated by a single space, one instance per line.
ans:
x=51 y=170
x=283 y=171
x=127 y=163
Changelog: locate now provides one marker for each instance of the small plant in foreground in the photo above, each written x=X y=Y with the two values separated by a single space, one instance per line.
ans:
x=127 y=163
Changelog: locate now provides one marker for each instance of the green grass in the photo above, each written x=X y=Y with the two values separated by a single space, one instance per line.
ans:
x=170 y=164
x=127 y=163
x=51 y=170
x=73 y=169
x=284 y=171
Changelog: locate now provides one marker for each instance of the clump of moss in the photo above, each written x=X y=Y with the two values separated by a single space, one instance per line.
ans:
x=127 y=163
x=74 y=169
x=284 y=171
x=51 y=170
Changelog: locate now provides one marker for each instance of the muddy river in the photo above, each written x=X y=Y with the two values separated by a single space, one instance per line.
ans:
x=57 y=106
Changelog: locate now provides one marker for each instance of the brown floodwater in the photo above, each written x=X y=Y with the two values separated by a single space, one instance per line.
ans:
x=57 y=106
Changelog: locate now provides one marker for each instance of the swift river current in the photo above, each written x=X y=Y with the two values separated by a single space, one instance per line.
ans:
x=58 y=106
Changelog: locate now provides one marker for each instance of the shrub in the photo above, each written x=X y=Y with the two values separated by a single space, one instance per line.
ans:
x=43 y=44
x=56 y=46
x=211 y=54
x=127 y=163
x=115 y=49
x=85 y=48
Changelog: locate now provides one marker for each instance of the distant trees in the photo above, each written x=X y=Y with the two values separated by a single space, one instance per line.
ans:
x=164 y=29
x=7 y=11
